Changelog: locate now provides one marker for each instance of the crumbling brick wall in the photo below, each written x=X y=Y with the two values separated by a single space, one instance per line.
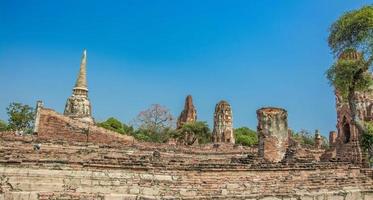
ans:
x=56 y=127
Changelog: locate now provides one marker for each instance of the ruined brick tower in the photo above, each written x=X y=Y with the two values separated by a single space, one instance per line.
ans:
x=78 y=105
x=348 y=139
x=189 y=114
x=273 y=133
x=223 y=123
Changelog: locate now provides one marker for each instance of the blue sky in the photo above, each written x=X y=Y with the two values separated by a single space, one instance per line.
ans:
x=250 y=53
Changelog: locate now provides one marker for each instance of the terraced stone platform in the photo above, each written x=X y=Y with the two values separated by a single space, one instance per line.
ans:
x=150 y=171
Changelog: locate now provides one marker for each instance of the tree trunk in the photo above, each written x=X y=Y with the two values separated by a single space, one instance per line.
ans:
x=359 y=124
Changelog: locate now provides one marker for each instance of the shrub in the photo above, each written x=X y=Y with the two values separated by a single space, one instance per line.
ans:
x=117 y=126
x=245 y=136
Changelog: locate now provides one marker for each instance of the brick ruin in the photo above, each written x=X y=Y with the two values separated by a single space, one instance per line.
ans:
x=85 y=170
x=345 y=143
x=189 y=114
x=54 y=127
x=223 y=123
x=78 y=105
x=273 y=133
x=70 y=158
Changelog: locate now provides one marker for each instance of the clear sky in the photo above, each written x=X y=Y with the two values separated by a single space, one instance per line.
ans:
x=250 y=53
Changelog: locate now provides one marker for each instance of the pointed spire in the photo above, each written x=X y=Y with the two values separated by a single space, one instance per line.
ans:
x=189 y=114
x=188 y=103
x=81 y=82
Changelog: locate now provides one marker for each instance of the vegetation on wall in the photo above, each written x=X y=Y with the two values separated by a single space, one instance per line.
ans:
x=353 y=32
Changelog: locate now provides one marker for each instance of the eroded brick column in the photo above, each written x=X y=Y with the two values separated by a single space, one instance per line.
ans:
x=273 y=133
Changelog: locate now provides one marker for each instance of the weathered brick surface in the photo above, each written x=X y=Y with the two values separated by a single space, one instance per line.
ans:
x=273 y=133
x=223 y=124
x=56 y=127
x=189 y=114
x=67 y=171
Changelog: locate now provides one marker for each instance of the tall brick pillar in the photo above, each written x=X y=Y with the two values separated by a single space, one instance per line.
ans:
x=273 y=133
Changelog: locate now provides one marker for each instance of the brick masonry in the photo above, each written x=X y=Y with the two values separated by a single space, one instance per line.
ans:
x=273 y=133
x=77 y=171
x=53 y=127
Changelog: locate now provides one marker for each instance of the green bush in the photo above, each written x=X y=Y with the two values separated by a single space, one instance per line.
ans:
x=194 y=131
x=3 y=125
x=245 y=136
x=150 y=136
x=367 y=141
x=117 y=126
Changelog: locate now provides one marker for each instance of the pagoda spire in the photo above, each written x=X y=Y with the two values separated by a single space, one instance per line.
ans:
x=78 y=105
x=81 y=81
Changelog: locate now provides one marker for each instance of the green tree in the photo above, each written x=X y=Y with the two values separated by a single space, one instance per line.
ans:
x=155 y=137
x=21 y=117
x=304 y=137
x=245 y=136
x=191 y=132
x=116 y=125
x=352 y=33
x=367 y=141
x=3 y=125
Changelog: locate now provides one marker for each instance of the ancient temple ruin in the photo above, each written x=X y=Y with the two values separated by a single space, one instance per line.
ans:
x=223 y=123
x=78 y=105
x=68 y=158
x=273 y=133
x=347 y=144
x=189 y=114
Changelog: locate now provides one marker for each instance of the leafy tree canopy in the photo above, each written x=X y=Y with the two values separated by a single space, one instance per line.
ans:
x=191 y=132
x=3 y=125
x=21 y=117
x=245 y=136
x=156 y=137
x=117 y=126
x=349 y=74
x=352 y=33
x=354 y=30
